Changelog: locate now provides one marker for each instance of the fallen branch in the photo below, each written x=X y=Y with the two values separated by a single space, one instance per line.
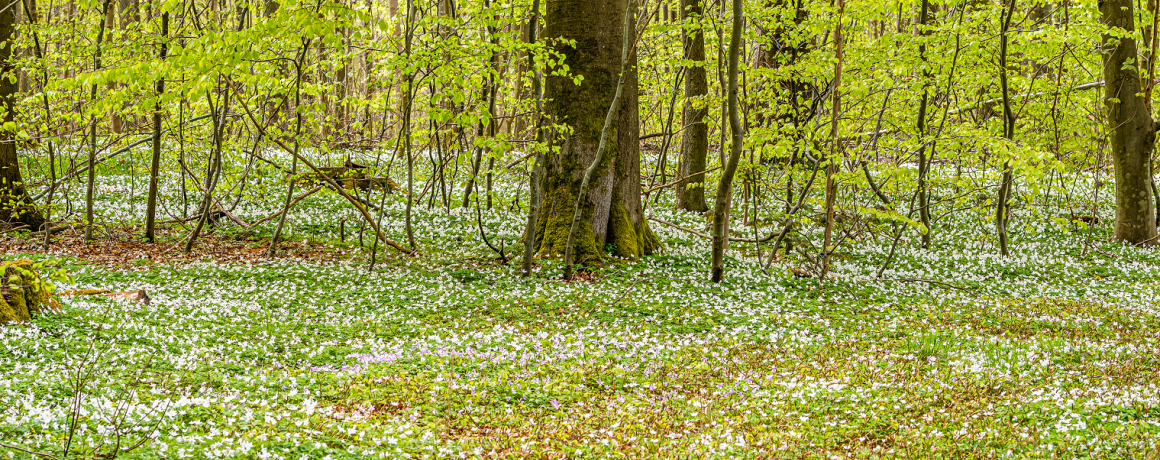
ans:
x=670 y=184
x=292 y=203
x=334 y=185
x=57 y=229
x=13 y=229
x=29 y=451
x=702 y=235
x=920 y=280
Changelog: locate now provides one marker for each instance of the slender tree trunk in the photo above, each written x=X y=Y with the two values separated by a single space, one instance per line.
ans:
x=213 y=162
x=612 y=207
x=695 y=141
x=537 y=163
x=39 y=52
x=486 y=97
x=1133 y=135
x=1002 y=207
x=923 y=160
x=725 y=186
x=93 y=131
x=835 y=141
x=110 y=26
x=155 y=161
x=409 y=95
x=15 y=204
x=294 y=162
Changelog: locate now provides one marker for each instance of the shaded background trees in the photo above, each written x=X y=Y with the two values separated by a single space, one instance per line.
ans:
x=438 y=98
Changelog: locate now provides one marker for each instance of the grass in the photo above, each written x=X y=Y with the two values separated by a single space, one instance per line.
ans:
x=954 y=353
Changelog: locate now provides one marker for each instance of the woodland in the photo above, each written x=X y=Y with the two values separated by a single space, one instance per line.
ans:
x=346 y=229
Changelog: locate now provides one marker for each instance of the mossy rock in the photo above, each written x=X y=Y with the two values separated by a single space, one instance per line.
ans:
x=23 y=292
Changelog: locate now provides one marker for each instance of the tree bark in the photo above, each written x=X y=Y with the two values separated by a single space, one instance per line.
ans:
x=1133 y=135
x=921 y=126
x=602 y=147
x=1002 y=209
x=92 y=178
x=155 y=160
x=725 y=186
x=612 y=208
x=835 y=142
x=695 y=142
x=538 y=161
x=15 y=204
x=110 y=25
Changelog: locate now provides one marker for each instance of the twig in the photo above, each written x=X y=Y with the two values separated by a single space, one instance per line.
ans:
x=13 y=229
x=29 y=451
x=633 y=286
x=292 y=203
x=920 y=280
x=670 y=184
x=702 y=235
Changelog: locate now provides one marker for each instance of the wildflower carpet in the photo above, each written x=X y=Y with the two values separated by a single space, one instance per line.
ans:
x=953 y=352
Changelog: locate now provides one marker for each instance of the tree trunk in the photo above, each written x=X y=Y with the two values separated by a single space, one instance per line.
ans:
x=923 y=159
x=612 y=211
x=155 y=160
x=725 y=186
x=1002 y=209
x=114 y=115
x=695 y=142
x=15 y=204
x=1133 y=135
x=835 y=142
x=537 y=162
x=90 y=184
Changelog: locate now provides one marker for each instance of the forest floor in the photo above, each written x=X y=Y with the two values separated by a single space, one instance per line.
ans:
x=954 y=352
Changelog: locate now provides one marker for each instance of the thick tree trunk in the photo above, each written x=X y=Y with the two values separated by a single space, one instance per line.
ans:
x=1133 y=135
x=15 y=204
x=612 y=209
x=695 y=142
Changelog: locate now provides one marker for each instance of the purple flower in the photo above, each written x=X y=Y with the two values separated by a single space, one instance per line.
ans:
x=555 y=404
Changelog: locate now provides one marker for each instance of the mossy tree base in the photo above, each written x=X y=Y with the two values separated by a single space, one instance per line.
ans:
x=623 y=239
x=23 y=292
x=613 y=220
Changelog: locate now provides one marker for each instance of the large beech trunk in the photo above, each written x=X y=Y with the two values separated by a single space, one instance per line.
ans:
x=612 y=208
x=15 y=204
x=1133 y=136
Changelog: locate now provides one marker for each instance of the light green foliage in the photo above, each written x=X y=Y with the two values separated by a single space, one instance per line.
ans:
x=951 y=352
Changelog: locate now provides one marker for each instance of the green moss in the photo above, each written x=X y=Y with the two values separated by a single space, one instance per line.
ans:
x=26 y=293
x=632 y=240
x=649 y=243
x=622 y=233
x=552 y=230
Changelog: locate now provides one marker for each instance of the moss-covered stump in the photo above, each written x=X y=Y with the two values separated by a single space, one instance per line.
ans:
x=22 y=292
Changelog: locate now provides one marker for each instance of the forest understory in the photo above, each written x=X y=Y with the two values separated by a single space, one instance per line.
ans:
x=582 y=229
x=951 y=352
